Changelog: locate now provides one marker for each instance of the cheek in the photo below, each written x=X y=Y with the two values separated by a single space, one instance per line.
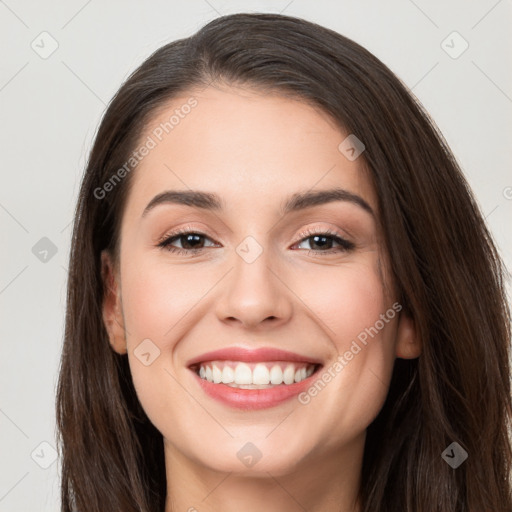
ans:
x=160 y=304
x=357 y=316
x=345 y=299
x=157 y=299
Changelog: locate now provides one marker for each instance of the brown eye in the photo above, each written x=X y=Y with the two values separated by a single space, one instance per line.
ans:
x=190 y=241
x=326 y=242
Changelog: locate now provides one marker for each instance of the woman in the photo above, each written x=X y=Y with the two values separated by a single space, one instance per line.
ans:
x=282 y=295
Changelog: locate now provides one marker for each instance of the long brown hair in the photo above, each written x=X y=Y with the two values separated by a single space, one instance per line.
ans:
x=445 y=266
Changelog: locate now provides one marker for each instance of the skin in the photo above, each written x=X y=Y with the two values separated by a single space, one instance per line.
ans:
x=254 y=151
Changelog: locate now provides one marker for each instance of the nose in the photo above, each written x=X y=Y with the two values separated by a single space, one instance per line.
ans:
x=255 y=294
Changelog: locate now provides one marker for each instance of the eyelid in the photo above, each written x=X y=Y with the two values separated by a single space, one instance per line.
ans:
x=183 y=230
x=318 y=230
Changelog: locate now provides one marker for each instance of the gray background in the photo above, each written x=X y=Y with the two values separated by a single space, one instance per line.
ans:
x=51 y=105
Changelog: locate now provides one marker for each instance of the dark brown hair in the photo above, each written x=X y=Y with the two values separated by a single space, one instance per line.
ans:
x=444 y=264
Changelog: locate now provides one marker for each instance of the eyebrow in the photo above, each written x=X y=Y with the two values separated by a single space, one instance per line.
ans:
x=296 y=202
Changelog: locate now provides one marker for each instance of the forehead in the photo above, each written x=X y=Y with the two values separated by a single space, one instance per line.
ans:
x=244 y=146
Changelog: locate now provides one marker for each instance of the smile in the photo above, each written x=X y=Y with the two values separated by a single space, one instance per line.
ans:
x=253 y=379
x=255 y=375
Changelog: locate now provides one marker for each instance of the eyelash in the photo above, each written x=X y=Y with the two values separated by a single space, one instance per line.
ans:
x=345 y=245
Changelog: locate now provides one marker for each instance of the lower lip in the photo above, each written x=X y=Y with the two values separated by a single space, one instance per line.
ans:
x=254 y=399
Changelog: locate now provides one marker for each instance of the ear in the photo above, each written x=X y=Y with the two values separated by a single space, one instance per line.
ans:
x=408 y=344
x=112 y=307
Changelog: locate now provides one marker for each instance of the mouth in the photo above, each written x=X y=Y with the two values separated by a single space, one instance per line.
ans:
x=262 y=375
x=253 y=379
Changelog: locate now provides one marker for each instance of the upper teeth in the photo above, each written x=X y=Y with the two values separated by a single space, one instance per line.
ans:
x=234 y=373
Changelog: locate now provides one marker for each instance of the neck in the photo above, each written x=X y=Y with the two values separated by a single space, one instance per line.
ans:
x=327 y=482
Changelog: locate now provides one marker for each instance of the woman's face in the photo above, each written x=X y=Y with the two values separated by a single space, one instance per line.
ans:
x=263 y=270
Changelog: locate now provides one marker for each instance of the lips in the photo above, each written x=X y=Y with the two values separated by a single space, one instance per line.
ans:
x=253 y=379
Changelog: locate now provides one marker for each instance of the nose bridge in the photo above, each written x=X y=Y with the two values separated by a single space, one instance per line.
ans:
x=254 y=292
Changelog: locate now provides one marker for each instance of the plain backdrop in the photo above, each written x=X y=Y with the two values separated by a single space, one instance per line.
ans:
x=61 y=62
